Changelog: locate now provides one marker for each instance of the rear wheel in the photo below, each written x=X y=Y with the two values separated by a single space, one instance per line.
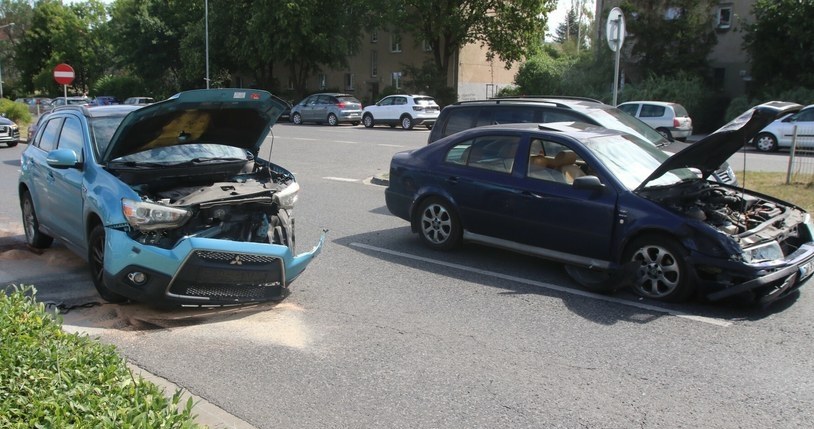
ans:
x=96 y=260
x=368 y=121
x=296 y=118
x=665 y=133
x=766 y=142
x=12 y=144
x=33 y=236
x=661 y=270
x=407 y=122
x=438 y=225
x=333 y=120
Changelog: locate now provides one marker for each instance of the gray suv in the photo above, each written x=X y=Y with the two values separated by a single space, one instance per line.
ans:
x=327 y=108
x=543 y=109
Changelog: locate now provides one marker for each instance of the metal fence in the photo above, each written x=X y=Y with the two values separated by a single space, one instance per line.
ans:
x=801 y=158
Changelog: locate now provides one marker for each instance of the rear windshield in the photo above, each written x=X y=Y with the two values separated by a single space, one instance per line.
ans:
x=425 y=101
x=348 y=99
x=680 y=110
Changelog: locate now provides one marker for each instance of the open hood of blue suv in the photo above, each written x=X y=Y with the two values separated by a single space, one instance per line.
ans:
x=233 y=117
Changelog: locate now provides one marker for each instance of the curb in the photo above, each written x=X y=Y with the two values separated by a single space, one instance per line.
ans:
x=381 y=180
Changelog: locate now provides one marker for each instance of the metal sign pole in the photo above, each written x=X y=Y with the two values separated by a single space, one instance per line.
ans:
x=616 y=68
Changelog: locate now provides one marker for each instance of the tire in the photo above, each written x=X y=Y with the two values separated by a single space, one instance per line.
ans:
x=766 y=142
x=665 y=133
x=12 y=144
x=368 y=121
x=96 y=261
x=332 y=120
x=661 y=271
x=438 y=225
x=279 y=234
x=33 y=236
x=296 y=119
x=407 y=122
x=429 y=126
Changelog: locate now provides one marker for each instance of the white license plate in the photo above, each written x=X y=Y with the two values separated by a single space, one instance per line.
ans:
x=806 y=269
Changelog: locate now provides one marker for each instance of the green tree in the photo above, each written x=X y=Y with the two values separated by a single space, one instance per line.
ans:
x=668 y=36
x=510 y=30
x=779 y=43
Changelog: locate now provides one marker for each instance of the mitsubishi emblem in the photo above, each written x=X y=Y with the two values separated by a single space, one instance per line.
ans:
x=236 y=261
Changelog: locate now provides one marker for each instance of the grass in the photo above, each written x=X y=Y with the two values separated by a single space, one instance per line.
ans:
x=774 y=184
x=52 y=379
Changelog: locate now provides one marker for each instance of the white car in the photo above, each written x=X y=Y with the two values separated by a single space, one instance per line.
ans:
x=780 y=133
x=401 y=109
x=670 y=119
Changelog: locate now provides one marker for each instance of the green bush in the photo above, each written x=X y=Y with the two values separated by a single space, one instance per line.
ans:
x=120 y=87
x=52 y=379
x=17 y=112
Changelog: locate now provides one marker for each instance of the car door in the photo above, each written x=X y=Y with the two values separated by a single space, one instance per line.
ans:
x=307 y=108
x=477 y=173
x=631 y=109
x=41 y=189
x=67 y=198
x=804 y=121
x=547 y=211
x=384 y=111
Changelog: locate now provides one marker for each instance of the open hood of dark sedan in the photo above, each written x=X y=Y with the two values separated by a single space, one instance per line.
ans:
x=233 y=117
x=709 y=153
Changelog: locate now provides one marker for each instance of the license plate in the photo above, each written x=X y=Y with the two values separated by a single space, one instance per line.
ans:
x=806 y=269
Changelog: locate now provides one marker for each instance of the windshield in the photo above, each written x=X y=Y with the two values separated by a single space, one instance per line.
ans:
x=179 y=154
x=632 y=161
x=102 y=129
x=615 y=119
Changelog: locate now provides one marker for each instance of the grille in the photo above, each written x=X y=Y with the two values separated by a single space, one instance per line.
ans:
x=226 y=276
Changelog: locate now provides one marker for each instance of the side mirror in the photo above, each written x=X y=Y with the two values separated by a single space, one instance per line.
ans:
x=63 y=159
x=588 y=182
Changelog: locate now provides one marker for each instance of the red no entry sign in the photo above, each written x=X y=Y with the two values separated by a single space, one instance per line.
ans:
x=63 y=74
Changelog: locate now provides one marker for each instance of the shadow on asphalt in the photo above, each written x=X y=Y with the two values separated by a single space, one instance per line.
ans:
x=541 y=273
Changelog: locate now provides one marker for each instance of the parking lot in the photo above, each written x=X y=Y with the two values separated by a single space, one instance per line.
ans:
x=381 y=332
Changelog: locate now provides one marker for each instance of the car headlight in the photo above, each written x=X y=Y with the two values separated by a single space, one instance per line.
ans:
x=288 y=196
x=148 y=216
x=764 y=252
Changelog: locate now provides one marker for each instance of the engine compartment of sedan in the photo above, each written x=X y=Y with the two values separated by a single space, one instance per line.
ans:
x=747 y=218
x=231 y=200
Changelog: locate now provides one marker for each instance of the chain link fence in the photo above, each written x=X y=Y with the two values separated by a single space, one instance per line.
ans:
x=801 y=157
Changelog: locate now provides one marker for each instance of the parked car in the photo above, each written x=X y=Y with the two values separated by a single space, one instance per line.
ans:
x=612 y=207
x=9 y=132
x=169 y=202
x=139 y=101
x=327 y=108
x=670 y=119
x=401 y=109
x=67 y=101
x=104 y=100
x=542 y=109
x=780 y=133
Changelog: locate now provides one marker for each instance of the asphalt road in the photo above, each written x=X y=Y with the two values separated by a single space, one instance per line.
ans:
x=380 y=332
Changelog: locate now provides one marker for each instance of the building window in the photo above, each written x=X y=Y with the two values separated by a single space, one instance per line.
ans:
x=348 y=81
x=374 y=36
x=395 y=42
x=724 y=17
x=322 y=83
x=396 y=78
x=374 y=63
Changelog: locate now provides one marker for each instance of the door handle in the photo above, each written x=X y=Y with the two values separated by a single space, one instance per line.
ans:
x=452 y=180
x=531 y=194
x=50 y=178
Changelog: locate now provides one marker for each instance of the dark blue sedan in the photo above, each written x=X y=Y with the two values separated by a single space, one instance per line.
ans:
x=615 y=209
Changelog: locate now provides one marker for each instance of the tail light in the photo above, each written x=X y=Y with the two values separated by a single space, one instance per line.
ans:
x=676 y=124
x=340 y=105
x=418 y=108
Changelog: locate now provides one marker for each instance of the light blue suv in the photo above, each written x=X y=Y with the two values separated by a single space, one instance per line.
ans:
x=169 y=202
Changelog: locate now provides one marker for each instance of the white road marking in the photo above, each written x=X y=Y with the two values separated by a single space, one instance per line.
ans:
x=341 y=179
x=543 y=285
x=390 y=145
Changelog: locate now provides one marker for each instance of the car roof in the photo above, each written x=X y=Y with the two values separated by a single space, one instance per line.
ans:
x=658 y=103
x=577 y=130
x=556 y=101
x=99 y=111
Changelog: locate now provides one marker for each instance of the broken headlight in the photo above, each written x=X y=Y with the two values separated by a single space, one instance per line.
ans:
x=288 y=196
x=149 y=217
x=762 y=253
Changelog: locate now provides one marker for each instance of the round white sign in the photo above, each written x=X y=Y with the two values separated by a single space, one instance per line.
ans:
x=615 y=29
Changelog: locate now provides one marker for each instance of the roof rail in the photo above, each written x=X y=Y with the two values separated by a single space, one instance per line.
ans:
x=564 y=97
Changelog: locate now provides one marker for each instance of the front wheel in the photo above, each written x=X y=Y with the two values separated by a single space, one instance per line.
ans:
x=438 y=225
x=333 y=120
x=766 y=142
x=661 y=270
x=296 y=118
x=368 y=121
x=12 y=144
x=33 y=236
x=666 y=134
x=96 y=260
x=407 y=122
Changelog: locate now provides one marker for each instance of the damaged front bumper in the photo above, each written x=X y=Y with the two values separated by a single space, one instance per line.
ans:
x=202 y=271
x=768 y=281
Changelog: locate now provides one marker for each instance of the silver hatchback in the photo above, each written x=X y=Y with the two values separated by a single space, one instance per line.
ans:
x=327 y=108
